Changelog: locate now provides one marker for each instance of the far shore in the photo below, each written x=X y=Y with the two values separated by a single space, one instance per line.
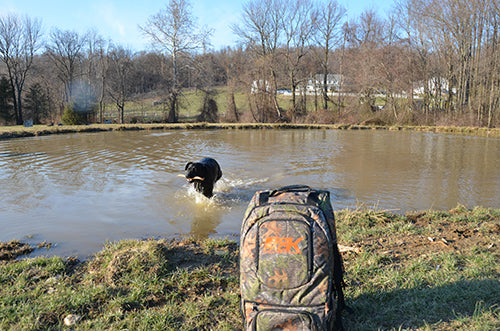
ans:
x=9 y=132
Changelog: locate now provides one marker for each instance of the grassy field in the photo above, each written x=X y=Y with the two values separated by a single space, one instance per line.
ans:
x=190 y=104
x=148 y=108
x=428 y=270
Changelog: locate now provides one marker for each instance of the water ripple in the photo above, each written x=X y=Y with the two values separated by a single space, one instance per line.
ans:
x=94 y=187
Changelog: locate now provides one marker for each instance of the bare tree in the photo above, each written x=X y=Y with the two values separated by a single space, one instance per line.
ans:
x=297 y=26
x=492 y=64
x=367 y=39
x=261 y=30
x=417 y=42
x=95 y=63
x=464 y=37
x=45 y=74
x=65 y=49
x=19 y=41
x=328 y=25
x=232 y=61
x=173 y=31
x=120 y=71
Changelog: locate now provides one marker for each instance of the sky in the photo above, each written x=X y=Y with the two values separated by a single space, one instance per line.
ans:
x=119 y=20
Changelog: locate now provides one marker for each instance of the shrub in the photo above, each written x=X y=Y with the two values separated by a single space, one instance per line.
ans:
x=322 y=116
x=209 y=112
x=73 y=117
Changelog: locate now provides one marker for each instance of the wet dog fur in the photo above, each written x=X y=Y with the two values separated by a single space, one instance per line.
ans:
x=203 y=175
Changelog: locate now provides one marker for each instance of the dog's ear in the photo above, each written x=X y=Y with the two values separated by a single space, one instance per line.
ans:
x=187 y=165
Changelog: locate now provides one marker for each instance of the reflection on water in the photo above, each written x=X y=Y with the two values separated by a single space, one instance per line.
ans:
x=79 y=190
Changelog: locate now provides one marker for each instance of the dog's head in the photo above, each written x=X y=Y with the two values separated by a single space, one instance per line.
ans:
x=195 y=171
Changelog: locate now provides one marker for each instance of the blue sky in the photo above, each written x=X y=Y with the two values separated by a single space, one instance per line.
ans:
x=118 y=20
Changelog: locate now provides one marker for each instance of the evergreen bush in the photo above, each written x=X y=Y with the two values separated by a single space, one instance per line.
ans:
x=73 y=117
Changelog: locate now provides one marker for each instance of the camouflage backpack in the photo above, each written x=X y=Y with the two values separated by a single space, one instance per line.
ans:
x=290 y=266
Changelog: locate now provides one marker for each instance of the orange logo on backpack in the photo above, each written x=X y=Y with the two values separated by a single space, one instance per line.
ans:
x=282 y=245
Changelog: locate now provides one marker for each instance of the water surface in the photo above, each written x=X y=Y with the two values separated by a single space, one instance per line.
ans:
x=80 y=190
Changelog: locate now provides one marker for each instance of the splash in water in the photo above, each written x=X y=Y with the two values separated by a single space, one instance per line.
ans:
x=228 y=191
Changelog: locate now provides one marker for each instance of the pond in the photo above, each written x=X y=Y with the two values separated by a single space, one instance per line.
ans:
x=78 y=191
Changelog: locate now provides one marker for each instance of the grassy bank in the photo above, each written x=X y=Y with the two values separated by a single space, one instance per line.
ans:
x=8 y=132
x=424 y=270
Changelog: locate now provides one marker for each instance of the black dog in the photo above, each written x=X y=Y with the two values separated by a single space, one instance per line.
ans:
x=203 y=175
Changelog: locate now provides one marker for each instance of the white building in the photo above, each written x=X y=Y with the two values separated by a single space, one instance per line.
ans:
x=260 y=86
x=436 y=85
x=315 y=85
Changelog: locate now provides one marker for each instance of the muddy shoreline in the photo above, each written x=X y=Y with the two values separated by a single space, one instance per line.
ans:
x=447 y=233
x=42 y=130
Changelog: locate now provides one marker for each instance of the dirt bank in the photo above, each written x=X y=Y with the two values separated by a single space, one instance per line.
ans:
x=9 y=132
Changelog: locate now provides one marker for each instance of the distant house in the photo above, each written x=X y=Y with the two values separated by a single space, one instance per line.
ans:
x=316 y=84
x=435 y=85
x=260 y=86
x=284 y=92
x=313 y=85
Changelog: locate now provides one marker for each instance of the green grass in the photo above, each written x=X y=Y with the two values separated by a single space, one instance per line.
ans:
x=190 y=104
x=402 y=280
x=442 y=290
x=128 y=285
x=398 y=279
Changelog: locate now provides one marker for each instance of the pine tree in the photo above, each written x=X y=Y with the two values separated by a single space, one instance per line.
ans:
x=6 y=104
x=36 y=103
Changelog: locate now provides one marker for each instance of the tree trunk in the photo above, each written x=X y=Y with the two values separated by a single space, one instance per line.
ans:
x=231 y=112
x=17 y=118
x=172 y=114
x=273 y=93
x=325 y=90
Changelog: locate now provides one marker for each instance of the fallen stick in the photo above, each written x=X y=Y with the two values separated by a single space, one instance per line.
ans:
x=343 y=249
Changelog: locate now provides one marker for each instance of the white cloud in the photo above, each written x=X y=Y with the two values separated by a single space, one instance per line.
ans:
x=110 y=16
x=8 y=7
x=118 y=24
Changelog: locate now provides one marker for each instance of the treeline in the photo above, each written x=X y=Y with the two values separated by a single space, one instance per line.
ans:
x=426 y=62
